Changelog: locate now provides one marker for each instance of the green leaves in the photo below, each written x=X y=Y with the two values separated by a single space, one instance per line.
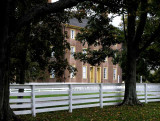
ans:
x=98 y=32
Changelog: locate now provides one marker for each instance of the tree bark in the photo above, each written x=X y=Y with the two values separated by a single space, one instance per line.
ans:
x=6 y=114
x=130 y=97
x=4 y=88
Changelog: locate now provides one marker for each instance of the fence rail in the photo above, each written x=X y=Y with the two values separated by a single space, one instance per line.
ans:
x=38 y=98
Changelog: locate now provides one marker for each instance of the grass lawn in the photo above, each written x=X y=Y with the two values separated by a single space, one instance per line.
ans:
x=148 y=112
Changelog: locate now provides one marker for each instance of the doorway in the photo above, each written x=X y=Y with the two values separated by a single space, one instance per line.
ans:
x=98 y=74
x=92 y=74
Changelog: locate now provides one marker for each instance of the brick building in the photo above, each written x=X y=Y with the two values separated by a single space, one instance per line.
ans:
x=105 y=73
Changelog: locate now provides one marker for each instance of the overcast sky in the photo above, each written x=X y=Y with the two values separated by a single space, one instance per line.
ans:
x=115 y=21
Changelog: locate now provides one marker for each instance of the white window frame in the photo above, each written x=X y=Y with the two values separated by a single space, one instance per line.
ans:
x=105 y=74
x=114 y=73
x=84 y=72
x=72 y=33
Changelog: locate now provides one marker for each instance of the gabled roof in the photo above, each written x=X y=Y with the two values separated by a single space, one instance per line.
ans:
x=75 y=22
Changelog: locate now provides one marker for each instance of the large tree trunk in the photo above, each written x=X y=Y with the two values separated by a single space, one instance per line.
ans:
x=130 y=97
x=22 y=71
x=4 y=85
x=5 y=111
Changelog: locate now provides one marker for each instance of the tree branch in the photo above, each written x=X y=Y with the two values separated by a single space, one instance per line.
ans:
x=39 y=11
x=132 y=9
x=142 y=23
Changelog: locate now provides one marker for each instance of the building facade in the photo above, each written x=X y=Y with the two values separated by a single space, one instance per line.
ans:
x=86 y=73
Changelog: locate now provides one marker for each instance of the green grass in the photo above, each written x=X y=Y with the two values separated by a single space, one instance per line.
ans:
x=148 y=112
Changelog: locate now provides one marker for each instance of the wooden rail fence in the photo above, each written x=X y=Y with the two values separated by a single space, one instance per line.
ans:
x=38 y=98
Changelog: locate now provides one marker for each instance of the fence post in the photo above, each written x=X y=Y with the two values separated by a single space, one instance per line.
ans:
x=145 y=91
x=33 y=100
x=101 y=95
x=140 y=79
x=70 y=98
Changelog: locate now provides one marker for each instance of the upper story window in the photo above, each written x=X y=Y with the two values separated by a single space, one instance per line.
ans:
x=73 y=50
x=84 y=51
x=72 y=74
x=72 y=34
x=114 y=74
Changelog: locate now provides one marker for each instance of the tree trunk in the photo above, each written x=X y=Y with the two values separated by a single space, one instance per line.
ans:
x=22 y=72
x=130 y=97
x=5 y=111
x=21 y=81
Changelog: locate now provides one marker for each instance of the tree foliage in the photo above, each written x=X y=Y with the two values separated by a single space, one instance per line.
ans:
x=139 y=38
x=148 y=54
x=16 y=15
x=98 y=32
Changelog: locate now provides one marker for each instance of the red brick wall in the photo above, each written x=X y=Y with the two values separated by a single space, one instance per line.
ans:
x=79 y=64
x=78 y=78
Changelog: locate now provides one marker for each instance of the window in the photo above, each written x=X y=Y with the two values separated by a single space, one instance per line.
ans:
x=114 y=74
x=72 y=74
x=73 y=50
x=84 y=72
x=52 y=75
x=105 y=73
x=72 y=34
x=84 y=51
x=52 y=54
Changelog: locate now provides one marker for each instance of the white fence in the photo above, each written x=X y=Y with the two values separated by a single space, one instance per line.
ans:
x=38 y=98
